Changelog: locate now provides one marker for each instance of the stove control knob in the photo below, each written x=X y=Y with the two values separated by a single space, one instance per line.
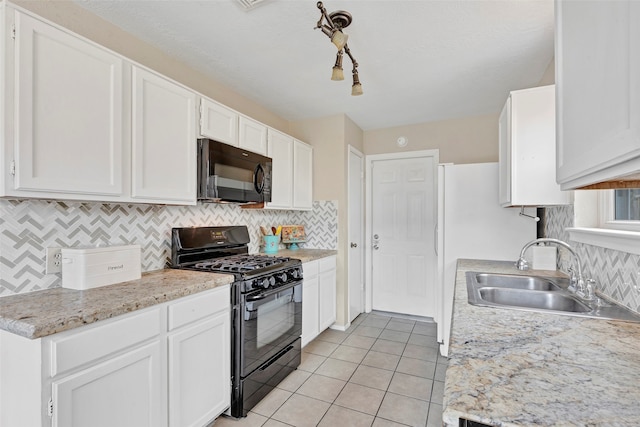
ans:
x=282 y=277
x=269 y=282
x=266 y=282
x=295 y=274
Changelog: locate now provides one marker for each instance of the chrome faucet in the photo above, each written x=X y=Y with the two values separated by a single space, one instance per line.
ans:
x=577 y=284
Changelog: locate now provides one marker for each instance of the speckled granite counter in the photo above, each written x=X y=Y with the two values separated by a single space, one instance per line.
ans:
x=519 y=368
x=42 y=313
x=305 y=255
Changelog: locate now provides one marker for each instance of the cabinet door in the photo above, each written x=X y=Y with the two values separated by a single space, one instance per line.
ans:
x=327 y=293
x=124 y=391
x=199 y=372
x=218 y=122
x=528 y=150
x=302 y=175
x=68 y=113
x=310 y=308
x=163 y=140
x=504 y=153
x=252 y=136
x=281 y=152
x=598 y=89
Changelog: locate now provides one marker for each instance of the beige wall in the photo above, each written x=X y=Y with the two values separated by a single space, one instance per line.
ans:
x=330 y=137
x=467 y=140
x=549 y=76
x=80 y=21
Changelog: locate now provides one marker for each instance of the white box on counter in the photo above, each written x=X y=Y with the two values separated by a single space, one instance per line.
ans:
x=92 y=267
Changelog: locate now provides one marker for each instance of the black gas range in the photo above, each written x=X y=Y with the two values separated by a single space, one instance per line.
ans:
x=266 y=307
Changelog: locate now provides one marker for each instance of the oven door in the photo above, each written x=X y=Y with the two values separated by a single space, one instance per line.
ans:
x=271 y=321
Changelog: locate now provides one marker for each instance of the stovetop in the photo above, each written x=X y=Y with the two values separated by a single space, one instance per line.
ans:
x=240 y=263
x=225 y=250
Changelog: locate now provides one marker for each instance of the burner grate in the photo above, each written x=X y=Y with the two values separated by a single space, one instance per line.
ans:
x=240 y=263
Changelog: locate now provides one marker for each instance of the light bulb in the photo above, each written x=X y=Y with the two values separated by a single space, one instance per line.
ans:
x=339 y=39
x=337 y=74
x=356 y=89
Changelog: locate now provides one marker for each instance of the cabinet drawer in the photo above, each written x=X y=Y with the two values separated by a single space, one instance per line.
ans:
x=77 y=348
x=310 y=269
x=198 y=307
x=328 y=263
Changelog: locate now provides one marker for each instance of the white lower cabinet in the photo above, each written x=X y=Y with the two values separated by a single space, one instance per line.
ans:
x=121 y=391
x=310 y=302
x=168 y=365
x=199 y=372
x=318 y=297
x=327 y=292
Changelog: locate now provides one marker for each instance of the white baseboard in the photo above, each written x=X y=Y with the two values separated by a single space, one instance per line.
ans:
x=339 y=327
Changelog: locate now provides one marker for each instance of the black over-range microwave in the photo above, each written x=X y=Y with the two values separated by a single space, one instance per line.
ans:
x=230 y=174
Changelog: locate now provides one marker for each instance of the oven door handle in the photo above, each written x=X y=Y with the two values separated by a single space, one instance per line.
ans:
x=267 y=294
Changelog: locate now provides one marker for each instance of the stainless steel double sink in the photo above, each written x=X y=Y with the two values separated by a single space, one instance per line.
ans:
x=540 y=294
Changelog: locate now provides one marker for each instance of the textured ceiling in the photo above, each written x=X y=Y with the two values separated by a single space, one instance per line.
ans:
x=419 y=60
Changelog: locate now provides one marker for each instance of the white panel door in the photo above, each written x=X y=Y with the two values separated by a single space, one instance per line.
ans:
x=356 y=234
x=280 y=149
x=68 y=99
x=199 y=368
x=163 y=140
x=124 y=391
x=403 y=233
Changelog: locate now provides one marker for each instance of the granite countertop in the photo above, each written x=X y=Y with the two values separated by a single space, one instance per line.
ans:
x=305 y=255
x=41 y=313
x=519 y=368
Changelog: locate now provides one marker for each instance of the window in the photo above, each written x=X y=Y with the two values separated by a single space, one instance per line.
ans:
x=620 y=209
x=627 y=204
x=607 y=218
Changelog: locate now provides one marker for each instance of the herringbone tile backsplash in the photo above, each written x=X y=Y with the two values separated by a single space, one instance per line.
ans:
x=28 y=227
x=616 y=273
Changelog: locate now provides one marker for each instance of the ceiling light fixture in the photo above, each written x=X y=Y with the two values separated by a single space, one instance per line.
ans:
x=334 y=23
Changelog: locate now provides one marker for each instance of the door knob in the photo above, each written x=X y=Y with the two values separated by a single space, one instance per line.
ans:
x=354 y=245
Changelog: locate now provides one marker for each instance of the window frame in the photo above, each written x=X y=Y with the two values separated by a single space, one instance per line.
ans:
x=606 y=214
x=594 y=224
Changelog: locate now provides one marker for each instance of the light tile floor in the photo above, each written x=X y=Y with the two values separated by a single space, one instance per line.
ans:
x=382 y=371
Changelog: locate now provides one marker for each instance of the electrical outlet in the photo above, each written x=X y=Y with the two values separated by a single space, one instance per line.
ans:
x=53 y=261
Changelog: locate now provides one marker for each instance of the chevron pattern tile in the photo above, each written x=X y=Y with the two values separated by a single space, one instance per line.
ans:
x=616 y=273
x=28 y=227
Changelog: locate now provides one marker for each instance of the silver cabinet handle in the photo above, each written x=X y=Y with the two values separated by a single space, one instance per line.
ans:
x=354 y=245
x=376 y=247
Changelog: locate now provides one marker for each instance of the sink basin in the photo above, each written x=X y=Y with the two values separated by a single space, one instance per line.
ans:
x=544 y=300
x=516 y=282
x=540 y=294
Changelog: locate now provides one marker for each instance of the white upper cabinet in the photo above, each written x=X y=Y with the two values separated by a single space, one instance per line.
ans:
x=528 y=150
x=218 y=122
x=86 y=124
x=280 y=149
x=302 y=175
x=66 y=136
x=252 y=136
x=163 y=139
x=292 y=175
x=598 y=91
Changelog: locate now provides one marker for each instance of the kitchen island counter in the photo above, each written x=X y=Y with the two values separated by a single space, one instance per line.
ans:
x=42 y=313
x=520 y=368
